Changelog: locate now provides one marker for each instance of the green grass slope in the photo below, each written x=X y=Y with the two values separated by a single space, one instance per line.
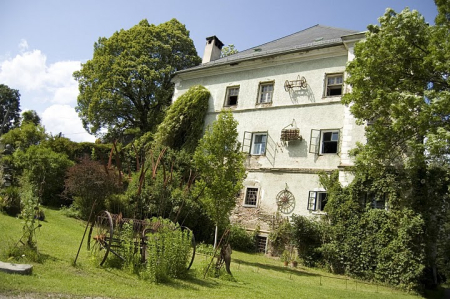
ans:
x=254 y=276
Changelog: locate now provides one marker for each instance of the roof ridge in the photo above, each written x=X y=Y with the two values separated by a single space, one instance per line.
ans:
x=282 y=37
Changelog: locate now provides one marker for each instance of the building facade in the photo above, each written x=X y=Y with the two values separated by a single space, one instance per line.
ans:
x=286 y=96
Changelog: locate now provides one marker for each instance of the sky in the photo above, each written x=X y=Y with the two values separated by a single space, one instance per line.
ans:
x=42 y=42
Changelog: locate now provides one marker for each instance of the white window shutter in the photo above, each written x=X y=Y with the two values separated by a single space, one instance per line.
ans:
x=314 y=142
x=312 y=200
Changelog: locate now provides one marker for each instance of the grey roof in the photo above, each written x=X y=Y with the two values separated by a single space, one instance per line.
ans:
x=314 y=37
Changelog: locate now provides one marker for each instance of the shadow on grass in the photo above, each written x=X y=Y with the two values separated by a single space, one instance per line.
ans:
x=293 y=271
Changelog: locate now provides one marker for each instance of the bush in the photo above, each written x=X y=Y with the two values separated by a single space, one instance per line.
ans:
x=242 y=240
x=281 y=237
x=168 y=251
x=10 y=200
x=45 y=170
x=307 y=239
x=89 y=181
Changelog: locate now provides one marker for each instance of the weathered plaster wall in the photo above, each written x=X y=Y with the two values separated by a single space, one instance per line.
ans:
x=294 y=167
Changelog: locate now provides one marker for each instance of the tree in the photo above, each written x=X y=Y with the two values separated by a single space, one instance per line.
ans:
x=183 y=125
x=24 y=136
x=400 y=82
x=220 y=164
x=31 y=116
x=9 y=108
x=228 y=50
x=127 y=84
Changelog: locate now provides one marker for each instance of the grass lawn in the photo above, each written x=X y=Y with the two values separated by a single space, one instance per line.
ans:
x=254 y=276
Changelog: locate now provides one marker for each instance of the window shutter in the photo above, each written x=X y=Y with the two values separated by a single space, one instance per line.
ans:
x=314 y=141
x=312 y=200
x=247 y=142
x=340 y=143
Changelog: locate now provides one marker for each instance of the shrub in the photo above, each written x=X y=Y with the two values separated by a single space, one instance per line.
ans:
x=168 y=251
x=90 y=181
x=10 y=200
x=45 y=170
x=242 y=240
x=307 y=239
x=281 y=237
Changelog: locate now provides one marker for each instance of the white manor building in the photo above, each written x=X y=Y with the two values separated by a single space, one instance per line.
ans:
x=286 y=96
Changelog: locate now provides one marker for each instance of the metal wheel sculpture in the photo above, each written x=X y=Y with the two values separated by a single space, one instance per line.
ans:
x=285 y=201
x=100 y=236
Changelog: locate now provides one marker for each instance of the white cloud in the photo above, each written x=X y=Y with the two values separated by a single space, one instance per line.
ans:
x=25 y=71
x=49 y=89
x=23 y=45
x=28 y=72
x=64 y=118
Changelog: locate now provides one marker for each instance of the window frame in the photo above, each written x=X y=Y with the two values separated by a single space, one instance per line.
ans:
x=329 y=87
x=317 y=141
x=227 y=96
x=260 y=92
x=376 y=202
x=252 y=147
x=256 y=190
x=259 y=241
x=314 y=201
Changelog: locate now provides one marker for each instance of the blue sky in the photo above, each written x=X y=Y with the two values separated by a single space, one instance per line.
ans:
x=42 y=42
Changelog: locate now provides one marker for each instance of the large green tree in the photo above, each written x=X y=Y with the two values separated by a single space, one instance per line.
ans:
x=9 y=108
x=220 y=164
x=127 y=84
x=400 y=83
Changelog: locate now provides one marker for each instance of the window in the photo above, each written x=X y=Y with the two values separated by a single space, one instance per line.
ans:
x=251 y=197
x=374 y=201
x=259 y=144
x=261 y=243
x=333 y=85
x=231 y=98
x=265 y=93
x=324 y=141
x=317 y=200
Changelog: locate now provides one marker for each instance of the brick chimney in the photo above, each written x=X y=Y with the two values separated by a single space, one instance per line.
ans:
x=213 y=49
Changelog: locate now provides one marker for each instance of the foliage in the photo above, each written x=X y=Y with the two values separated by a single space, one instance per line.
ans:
x=10 y=200
x=242 y=240
x=228 y=50
x=126 y=85
x=220 y=165
x=307 y=239
x=183 y=124
x=206 y=249
x=44 y=170
x=29 y=214
x=168 y=251
x=31 y=116
x=26 y=135
x=91 y=182
x=361 y=241
x=281 y=236
x=400 y=81
x=9 y=108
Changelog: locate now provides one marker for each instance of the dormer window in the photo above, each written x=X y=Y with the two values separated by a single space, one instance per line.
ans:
x=334 y=85
x=231 y=98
